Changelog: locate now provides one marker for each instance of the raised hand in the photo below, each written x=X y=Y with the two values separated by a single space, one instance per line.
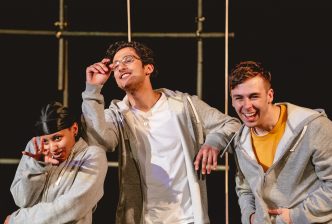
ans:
x=41 y=154
x=98 y=73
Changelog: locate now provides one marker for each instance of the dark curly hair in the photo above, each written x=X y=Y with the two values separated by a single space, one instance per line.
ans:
x=246 y=70
x=55 y=117
x=144 y=53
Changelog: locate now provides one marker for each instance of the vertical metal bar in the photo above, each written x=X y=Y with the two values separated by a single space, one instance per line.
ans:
x=226 y=111
x=129 y=20
x=63 y=53
x=200 y=19
x=66 y=78
x=61 y=47
x=60 y=64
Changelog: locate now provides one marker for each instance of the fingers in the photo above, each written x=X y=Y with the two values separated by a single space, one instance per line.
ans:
x=206 y=159
x=276 y=211
x=42 y=145
x=99 y=72
x=99 y=67
x=198 y=159
x=211 y=163
x=35 y=145
x=28 y=154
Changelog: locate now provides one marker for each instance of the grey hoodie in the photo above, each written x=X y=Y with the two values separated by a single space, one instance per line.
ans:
x=67 y=193
x=113 y=127
x=300 y=178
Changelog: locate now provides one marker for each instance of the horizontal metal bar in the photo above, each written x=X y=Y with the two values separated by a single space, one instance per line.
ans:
x=9 y=161
x=113 y=34
x=28 y=32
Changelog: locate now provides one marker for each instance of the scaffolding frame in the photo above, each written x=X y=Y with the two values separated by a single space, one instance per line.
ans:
x=62 y=35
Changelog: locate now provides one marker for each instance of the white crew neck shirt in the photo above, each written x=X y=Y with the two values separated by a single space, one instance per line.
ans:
x=162 y=162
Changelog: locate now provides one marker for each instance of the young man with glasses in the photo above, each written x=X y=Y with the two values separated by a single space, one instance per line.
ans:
x=284 y=153
x=159 y=133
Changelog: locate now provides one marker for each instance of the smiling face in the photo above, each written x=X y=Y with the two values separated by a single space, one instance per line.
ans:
x=61 y=143
x=134 y=75
x=252 y=100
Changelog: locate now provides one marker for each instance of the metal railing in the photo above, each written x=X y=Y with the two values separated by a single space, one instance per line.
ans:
x=62 y=35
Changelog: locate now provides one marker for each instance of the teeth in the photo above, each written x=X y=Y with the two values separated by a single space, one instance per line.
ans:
x=56 y=155
x=249 y=114
x=124 y=75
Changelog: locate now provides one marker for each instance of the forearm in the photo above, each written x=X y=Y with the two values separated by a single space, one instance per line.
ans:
x=29 y=181
x=246 y=199
x=100 y=130
x=219 y=128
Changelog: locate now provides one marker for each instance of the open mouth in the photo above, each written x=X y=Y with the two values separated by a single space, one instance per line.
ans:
x=57 y=155
x=124 y=75
x=250 y=116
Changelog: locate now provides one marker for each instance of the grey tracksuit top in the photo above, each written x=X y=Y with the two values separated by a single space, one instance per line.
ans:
x=67 y=193
x=113 y=127
x=301 y=175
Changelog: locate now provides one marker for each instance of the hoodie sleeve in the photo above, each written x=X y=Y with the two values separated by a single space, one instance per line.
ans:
x=78 y=202
x=29 y=180
x=218 y=127
x=246 y=198
x=100 y=124
x=317 y=207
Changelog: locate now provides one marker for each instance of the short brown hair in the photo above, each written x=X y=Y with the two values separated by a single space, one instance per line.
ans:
x=246 y=70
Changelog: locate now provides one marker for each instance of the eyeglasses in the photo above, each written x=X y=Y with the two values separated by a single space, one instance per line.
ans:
x=126 y=60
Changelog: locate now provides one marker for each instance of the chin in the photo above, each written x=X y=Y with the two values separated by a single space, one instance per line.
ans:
x=250 y=124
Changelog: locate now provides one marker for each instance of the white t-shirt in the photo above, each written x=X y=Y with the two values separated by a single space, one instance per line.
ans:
x=161 y=158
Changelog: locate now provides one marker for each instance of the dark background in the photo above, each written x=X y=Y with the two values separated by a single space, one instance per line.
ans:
x=291 y=38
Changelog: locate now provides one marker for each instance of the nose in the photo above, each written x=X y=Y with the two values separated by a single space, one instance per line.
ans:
x=122 y=65
x=53 y=146
x=247 y=103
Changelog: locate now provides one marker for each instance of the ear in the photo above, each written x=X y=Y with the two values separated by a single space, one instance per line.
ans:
x=74 y=128
x=270 y=95
x=231 y=98
x=148 y=69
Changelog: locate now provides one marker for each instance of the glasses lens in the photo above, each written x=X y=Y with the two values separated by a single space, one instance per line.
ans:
x=128 y=59
x=125 y=60
x=115 y=65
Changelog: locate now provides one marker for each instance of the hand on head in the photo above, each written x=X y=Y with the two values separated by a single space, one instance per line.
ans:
x=98 y=73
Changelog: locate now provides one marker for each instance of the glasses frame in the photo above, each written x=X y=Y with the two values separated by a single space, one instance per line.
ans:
x=115 y=65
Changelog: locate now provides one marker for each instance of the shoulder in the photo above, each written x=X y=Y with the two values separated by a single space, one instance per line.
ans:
x=95 y=157
x=90 y=151
x=95 y=150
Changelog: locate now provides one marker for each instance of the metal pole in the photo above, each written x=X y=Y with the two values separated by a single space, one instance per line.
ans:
x=66 y=76
x=65 y=33
x=226 y=111
x=63 y=53
x=199 y=20
x=128 y=21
